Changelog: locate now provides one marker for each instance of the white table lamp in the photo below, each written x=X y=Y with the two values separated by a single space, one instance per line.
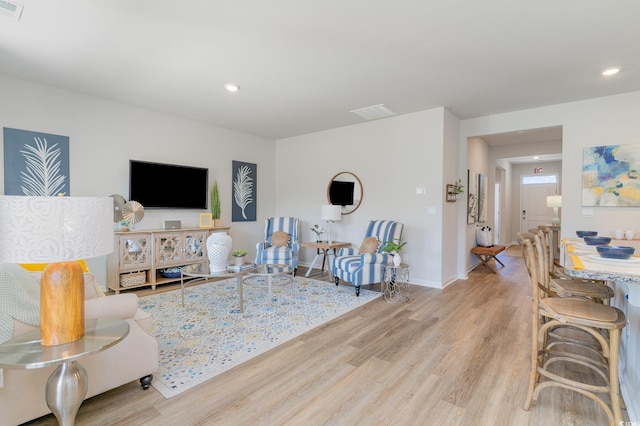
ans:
x=58 y=231
x=330 y=213
x=554 y=201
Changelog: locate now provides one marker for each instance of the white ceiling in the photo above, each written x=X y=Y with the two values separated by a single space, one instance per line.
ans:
x=304 y=64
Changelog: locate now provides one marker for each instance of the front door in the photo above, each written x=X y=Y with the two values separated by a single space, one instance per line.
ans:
x=534 y=210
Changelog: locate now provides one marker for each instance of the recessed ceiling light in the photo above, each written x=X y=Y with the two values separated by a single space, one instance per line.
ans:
x=232 y=87
x=610 y=71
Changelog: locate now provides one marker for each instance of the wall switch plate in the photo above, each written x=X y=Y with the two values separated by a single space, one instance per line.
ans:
x=420 y=190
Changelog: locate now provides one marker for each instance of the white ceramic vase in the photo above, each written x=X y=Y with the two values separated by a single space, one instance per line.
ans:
x=397 y=260
x=218 y=249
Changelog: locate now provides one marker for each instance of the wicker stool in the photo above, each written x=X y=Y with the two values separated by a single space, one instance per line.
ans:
x=592 y=318
x=566 y=286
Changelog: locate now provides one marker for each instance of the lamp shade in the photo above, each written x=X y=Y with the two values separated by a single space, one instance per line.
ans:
x=54 y=229
x=331 y=212
x=57 y=231
x=554 y=200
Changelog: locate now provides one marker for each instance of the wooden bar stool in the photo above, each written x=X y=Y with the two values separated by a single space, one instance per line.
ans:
x=566 y=286
x=592 y=318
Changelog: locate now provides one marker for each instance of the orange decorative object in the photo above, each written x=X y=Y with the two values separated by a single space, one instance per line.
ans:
x=61 y=303
x=39 y=267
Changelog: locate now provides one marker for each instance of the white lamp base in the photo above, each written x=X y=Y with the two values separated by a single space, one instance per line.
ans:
x=556 y=219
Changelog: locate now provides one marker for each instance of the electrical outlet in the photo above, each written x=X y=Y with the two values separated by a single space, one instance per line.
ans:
x=587 y=212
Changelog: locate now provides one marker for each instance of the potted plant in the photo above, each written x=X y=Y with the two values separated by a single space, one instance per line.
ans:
x=458 y=188
x=239 y=256
x=394 y=247
x=123 y=225
x=215 y=205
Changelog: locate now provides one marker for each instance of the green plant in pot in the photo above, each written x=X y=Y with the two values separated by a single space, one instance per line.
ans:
x=394 y=247
x=239 y=256
x=215 y=205
x=458 y=188
x=123 y=225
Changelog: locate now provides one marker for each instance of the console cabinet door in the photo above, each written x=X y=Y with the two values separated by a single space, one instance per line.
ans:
x=168 y=249
x=195 y=246
x=134 y=251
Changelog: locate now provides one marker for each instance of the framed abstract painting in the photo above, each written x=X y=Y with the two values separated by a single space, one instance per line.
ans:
x=610 y=176
x=482 y=197
x=472 y=196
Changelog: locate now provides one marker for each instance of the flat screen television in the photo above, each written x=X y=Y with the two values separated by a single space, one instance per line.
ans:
x=341 y=193
x=168 y=186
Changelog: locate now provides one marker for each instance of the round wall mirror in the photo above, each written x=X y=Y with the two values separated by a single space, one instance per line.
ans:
x=345 y=190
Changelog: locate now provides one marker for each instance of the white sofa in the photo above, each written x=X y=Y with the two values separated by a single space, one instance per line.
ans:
x=22 y=392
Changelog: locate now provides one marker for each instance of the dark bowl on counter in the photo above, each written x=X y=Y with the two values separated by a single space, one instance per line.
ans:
x=582 y=234
x=615 y=252
x=597 y=241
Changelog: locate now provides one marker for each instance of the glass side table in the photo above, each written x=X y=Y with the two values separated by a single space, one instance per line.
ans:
x=67 y=385
x=395 y=283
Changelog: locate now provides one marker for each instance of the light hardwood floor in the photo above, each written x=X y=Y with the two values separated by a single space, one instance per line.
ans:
x=457 y=356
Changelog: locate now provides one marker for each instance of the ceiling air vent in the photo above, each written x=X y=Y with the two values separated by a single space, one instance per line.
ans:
x=10 y=9
x=373 y=112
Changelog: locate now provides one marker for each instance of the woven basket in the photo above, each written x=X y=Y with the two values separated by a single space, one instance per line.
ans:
x=133 y=278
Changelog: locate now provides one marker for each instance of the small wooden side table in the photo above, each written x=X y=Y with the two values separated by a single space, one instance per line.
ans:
x=322 y=251
x=67 y=385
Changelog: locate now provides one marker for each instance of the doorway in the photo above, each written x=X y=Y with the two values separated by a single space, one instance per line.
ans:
x=534 y=191
x=500 y=209
x=497 y=214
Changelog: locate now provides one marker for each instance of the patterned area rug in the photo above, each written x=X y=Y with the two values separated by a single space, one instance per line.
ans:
x=209 y=335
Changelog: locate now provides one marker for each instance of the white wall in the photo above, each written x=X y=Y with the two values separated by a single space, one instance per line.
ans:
x=503 y=169
x=608 y=120
x=104 y=135
x=601 y=121
x=478 y=161
x=452 y=212
x=392 y=157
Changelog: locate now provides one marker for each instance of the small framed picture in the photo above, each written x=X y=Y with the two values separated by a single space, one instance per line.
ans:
x=206 y=220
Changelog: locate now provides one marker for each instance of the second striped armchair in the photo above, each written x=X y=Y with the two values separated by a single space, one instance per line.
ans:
x=366 y=268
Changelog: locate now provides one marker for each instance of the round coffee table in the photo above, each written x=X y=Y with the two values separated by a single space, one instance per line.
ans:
x=201 y=270
x=270 y=271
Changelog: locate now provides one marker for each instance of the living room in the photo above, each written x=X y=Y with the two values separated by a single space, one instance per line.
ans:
x=294 y=172
x=404 y=163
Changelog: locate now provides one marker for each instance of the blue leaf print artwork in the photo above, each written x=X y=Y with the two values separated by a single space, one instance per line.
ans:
x=35 y=164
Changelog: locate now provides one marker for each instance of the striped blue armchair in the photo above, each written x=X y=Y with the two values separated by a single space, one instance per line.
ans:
x=268 y=253
x=364 y=269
